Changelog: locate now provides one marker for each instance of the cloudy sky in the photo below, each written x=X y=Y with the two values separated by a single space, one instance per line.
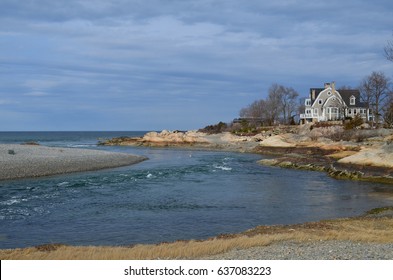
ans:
x=175 y=64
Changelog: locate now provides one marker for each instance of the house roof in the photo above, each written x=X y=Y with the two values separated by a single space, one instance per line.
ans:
x=317 y=92
x=345 y=94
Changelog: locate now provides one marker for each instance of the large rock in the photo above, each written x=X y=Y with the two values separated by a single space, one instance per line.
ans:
x=277 y=141
x=175 y=137
x=375 y=156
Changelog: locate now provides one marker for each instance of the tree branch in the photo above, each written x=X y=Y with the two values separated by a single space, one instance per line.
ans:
x=389 y=50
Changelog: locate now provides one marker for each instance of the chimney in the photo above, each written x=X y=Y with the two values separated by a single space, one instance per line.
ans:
x=333 y=86
x=313 y=94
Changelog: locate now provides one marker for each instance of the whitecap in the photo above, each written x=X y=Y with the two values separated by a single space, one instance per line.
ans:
x=149 y=175
x=225 y=168
x=63 y=184
x=10 y=202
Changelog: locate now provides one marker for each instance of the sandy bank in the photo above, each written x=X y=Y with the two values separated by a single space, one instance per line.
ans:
x=26 y=161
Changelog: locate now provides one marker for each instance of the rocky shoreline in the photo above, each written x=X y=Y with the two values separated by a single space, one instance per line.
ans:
x=325 y=163
x=297 y=147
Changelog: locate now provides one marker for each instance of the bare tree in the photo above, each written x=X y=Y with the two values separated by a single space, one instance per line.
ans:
x=288 y=104
x=280 y=105
x=389 y=50
x=256 y=110
x=274 y=103
x=374 y=89
x=366 y=91
x=300 y=107
x=388 y=113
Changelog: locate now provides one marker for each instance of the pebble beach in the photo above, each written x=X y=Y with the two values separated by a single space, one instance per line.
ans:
x=316 y=250
x=28 y=161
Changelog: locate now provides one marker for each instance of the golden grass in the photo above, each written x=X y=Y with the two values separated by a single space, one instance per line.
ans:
x=356 y=229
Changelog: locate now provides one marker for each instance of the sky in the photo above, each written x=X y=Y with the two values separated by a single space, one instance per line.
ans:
x=175 y=64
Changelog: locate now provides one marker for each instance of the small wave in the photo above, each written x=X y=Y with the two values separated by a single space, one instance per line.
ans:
x=174 y=206
x=63 y=184
x=81 y=145
x=225 y=168
x=149 y=175
x=10 y=202
x=15 y=214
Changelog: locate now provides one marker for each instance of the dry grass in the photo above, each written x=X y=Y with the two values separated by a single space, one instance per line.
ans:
x=362 y=229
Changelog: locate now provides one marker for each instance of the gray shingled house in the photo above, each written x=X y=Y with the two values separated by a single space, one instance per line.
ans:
x=329 y=104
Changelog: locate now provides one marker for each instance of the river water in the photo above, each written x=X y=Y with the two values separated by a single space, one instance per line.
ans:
x=176 y=194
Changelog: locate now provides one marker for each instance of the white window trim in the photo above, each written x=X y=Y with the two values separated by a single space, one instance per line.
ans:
x=352 y=100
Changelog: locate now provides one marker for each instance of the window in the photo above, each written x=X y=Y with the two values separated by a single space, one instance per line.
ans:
x=315 y=111
x=308 y=102
x=320 y=101
x=308 y=112
x=350 y=111
x=352 y=100
x=329 y=93
x=354 y=111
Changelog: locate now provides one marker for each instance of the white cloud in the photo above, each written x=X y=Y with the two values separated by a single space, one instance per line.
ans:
x=125 y=54
x=36 y=93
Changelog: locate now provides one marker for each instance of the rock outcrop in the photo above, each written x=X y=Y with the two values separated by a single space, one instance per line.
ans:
x=160 y=139
x=300 y=149
x=377 y=155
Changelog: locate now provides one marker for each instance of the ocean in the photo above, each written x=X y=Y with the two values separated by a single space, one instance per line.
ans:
x=177 y=194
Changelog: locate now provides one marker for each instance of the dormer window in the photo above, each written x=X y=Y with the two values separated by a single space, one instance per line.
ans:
x=308 y=102
x=352 y=100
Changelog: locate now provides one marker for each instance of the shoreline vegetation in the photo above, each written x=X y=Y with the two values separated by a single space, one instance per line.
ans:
x=368 y=156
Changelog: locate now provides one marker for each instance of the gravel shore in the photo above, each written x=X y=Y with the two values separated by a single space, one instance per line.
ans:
x=26 y=161
x=322 y=250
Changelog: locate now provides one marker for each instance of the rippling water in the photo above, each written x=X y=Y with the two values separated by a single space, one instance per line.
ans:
x=176 y=194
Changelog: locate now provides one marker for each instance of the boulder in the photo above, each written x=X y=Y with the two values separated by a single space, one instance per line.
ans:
x=277 y=141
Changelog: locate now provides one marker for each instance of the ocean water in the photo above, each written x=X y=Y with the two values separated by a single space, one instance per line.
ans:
x=176 y=194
